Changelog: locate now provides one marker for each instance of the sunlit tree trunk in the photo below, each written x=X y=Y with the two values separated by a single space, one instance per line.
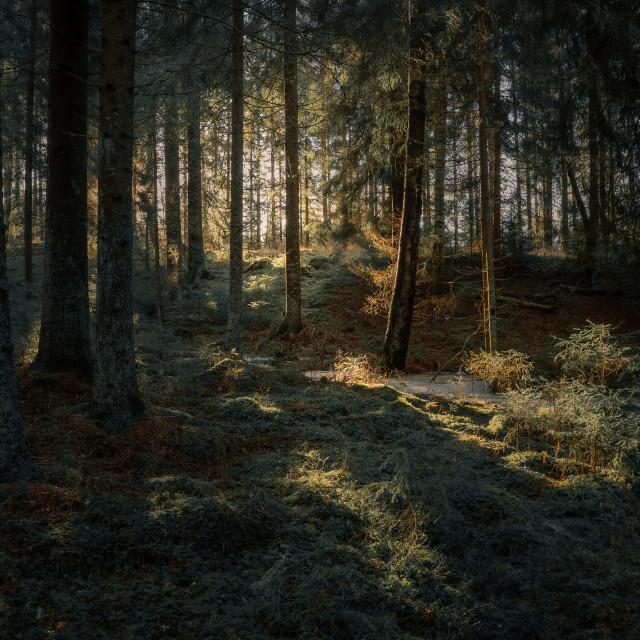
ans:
x=116 y=401
x=488 y=277
x=396 y=342
x=292 y=321
x=64 y=342
x=195 y=246
x=29 y=146
x=234 y=318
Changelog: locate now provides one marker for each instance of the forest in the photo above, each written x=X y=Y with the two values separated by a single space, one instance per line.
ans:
x=319 y=319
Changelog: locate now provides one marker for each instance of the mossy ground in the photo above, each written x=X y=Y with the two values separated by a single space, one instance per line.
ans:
x=254 y=503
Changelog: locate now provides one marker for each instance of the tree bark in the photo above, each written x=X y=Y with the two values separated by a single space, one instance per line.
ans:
x=396 y=169
x=496 y=191
x=195 y=247
x=29 y=146
x=489 y=291
x=64 y=342
x=234 y=318
x=172 y=194
x=440 y=171
x=292 y=321
x=116 y=401
x=396 y=342
x=15 y=463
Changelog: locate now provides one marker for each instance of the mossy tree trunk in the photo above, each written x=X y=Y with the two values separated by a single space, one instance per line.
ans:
x=292 y=321
x=234 y=318
x=15 y=462
x=116 y=401
x=195 y=248
x=396 y=342
x=64 y=342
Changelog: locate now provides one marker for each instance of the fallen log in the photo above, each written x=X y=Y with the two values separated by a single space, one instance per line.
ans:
x=527 y=304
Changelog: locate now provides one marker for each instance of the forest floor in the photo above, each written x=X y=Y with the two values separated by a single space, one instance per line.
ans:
x=255 y=503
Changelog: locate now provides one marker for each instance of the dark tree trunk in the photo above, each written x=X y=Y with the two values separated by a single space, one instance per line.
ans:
x=15 y=463
x=496 y=190
x=234 y=318
x=29 y=147
x=116 y=401
x=440 y=170
x=292 y=322
x=396 y=342
x=486 y=219
x=195 y=255
x=172 y=194
x=64 y=330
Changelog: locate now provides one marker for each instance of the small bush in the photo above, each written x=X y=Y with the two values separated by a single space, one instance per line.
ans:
x=503 y=369
x=357 y=368
x=579 y=425
x=591 y=354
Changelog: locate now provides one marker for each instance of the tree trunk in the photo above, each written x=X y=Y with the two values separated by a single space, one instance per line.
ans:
x=547 y=204
x=292 y=321
x=29 y=147
x=172 y=194
x=234 y=318
x=64 y=342
x=489 y=291
x=440 y=171
x=154 y=231
x=396 y=161
x=496 y=191
x=195 y=247
x=116 y=401
x=15 y=462
x=471 y=198
x=258 y=187
x=396 y=342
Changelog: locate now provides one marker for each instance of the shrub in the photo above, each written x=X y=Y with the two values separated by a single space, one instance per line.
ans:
x=591 y=354
x=503 y=369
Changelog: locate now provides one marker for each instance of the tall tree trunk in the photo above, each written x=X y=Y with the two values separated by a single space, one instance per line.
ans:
x=15 y=463
x=116 y=401
x=258 y=187
x=564 y=214
x=440 y=170
x=496 y=190
x=64 y=342
x=29 y=146
x=396 y=162
x=292 y=321
x=234 y=318
x=396 y=342
x=547 y=204
x=489 y=291
x=172 y=194
x=195 y=246
x=456 y=222
x=154 y=231
x=471 y=198
x=273 y=191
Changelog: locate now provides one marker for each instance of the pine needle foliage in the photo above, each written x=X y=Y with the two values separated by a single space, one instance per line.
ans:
x=505 y=370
